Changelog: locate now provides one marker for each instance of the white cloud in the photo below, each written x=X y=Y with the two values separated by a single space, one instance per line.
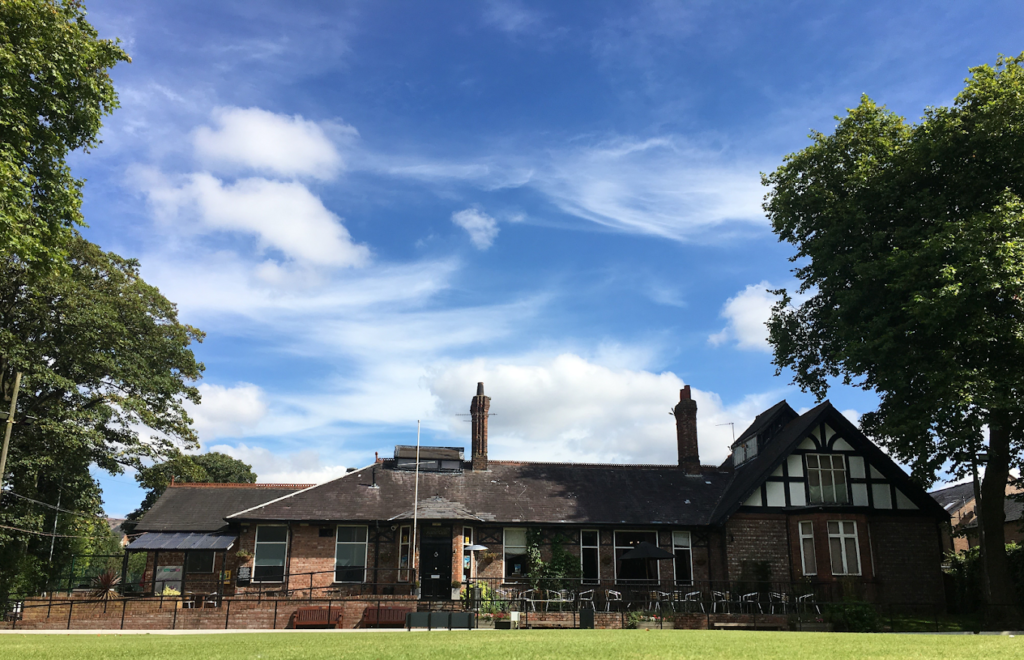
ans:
x=283 y=216
x=567 y=408
x=482 y=228
x=301 y=467
x=747 y=313
x=227 y=411
x=268 y=142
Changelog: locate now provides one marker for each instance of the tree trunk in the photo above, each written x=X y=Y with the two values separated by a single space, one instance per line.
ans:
x=1000 y=594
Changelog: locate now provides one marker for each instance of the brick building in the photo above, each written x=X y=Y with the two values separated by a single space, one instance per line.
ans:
x=804 y=501
x=959 y=502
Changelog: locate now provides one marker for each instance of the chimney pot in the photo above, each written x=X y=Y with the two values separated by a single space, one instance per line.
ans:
x=684 y=394
x=479 y=389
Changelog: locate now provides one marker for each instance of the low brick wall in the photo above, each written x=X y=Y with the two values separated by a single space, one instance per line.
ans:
x=154 y=614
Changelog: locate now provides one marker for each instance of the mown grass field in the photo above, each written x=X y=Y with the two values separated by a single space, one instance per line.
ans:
x=561 y=644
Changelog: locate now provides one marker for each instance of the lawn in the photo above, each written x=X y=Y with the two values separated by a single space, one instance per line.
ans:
x=561 y=644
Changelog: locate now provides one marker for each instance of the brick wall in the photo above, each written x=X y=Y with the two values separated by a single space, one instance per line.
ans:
x=908 y=559
x=757 y=538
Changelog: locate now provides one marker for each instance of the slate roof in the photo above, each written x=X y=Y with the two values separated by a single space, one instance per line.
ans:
x=203 y=507
x=955 y=497
x=430 y=453
x=512 y=492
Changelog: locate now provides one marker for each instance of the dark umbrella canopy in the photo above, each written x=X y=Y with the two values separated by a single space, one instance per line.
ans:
x=647 y=550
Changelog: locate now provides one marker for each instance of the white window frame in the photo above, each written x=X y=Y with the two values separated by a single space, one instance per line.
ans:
x=616 y=547
x=504 y=550
x=843 y=537
x=403 y=571
x=807 y=535
x=689 y=551
x=365 y=543
x=256 y=552
x=586 y=580
x=830 y=471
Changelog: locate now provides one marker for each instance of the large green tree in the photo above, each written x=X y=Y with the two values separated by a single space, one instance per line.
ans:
x=107 y=371
x=212 y=467
x=910 y=256
x=55 y=89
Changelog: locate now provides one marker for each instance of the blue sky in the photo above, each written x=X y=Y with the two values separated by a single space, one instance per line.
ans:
x=371 y=206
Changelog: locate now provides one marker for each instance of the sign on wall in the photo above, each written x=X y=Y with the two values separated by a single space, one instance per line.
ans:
x=168 y=576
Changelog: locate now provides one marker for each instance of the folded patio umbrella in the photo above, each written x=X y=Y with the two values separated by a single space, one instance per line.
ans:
x=647 y=550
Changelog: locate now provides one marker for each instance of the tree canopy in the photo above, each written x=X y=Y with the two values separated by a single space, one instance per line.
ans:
x=910 y=256
x=55 y=88
x=107 y=371
x=212 y=467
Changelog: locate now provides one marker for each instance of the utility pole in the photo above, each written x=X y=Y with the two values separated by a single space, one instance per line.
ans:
x=7 y=431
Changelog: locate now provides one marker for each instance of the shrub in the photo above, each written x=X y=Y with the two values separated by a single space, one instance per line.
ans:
x=854 y=617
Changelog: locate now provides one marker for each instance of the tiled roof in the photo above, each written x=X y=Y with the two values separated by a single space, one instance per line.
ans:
x=510 y=492
x=202 y=508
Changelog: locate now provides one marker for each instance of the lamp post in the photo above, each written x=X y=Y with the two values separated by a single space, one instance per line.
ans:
x=476 y=587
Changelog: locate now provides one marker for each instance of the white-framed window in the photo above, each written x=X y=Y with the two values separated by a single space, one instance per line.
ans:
x=514 y=549
x=271 y=552
x=683 y=563
x=590 y=556
x=350 y=554
x=634 y=569
x=404 y=556
x=808 y=564
x=826 y=479
x=200 y=561
x=843 y=547
x=467 y=555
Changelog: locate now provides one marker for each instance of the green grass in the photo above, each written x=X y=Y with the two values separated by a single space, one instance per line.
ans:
x=526 y=644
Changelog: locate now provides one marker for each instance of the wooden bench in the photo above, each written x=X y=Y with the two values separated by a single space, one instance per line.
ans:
x=316 y=617
x=384 y=617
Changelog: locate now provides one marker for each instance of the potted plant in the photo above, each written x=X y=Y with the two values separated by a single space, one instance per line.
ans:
x=243 y=557
x=456 y=589
x=416 y=588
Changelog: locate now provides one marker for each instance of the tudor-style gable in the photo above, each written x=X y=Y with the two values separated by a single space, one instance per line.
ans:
x=818 y=460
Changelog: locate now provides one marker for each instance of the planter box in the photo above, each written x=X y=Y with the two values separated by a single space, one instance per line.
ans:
x=656 y=625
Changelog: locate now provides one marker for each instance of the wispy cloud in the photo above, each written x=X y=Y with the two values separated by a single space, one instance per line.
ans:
x=511 y=16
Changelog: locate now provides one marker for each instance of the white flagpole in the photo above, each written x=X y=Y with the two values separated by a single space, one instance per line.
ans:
x=415 y=500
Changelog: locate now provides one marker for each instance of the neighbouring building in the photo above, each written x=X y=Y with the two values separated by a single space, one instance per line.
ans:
x=962 y=532
x=804 y=499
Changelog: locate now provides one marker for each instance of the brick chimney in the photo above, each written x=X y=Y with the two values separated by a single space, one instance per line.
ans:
x=686 y=432
x=478 y=410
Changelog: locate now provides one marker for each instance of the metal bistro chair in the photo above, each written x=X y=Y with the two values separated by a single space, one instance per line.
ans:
x=612 y=596
x=531 y=597
x=559 y=597
x=778 y=601
x=720 y=598
x=805 y=601
x=750 y=601
x=587 y=598
x=695 y=597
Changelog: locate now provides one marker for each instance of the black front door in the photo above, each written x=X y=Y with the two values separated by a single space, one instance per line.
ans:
x=436 y=561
